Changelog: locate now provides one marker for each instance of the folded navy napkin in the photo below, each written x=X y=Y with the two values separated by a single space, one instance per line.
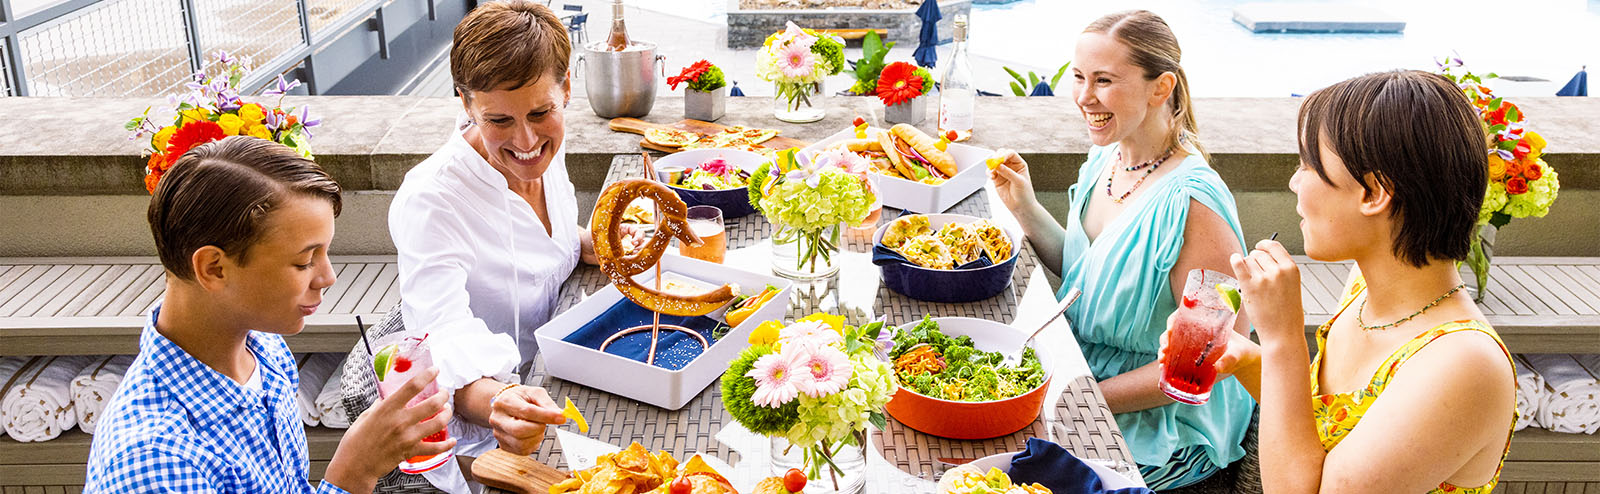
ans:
x=882 y=255
x=1048 y=464
x=673 y=351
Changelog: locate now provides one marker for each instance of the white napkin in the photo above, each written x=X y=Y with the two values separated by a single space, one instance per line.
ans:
x=93 y=387
x=1530 y=394
x=329 y=403
x=314 y=372
x=8 y=368
x=1572 y=395
x=38 y=407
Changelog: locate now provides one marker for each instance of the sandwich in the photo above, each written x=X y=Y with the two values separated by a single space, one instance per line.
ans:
x=995 y=242
x=916 y=155
x=962 y=239
x=928 y=251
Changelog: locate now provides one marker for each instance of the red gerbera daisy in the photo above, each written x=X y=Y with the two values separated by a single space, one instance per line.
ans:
x=190 y=135
x=689 y=74
x=898 y=83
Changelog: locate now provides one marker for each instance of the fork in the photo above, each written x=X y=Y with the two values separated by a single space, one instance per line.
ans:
x=1014 y=358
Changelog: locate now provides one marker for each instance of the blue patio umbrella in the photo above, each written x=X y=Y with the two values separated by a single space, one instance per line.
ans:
x=1042 y=89
x=1578 y=86
x=735 y=91
x=927 y=54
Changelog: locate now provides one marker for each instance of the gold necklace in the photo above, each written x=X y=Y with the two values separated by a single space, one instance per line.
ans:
x=1363 y=308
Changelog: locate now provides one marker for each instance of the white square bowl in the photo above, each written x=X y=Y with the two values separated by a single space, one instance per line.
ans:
x=669 y=389
x=896 y=192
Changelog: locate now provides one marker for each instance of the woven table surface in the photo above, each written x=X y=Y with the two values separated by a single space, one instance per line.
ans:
x=905 y=460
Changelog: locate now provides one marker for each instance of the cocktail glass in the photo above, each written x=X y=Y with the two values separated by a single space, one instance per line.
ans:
x=395 y=364
x=1198 y=337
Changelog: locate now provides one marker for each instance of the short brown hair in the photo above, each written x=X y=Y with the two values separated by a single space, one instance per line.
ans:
x=508 y=45
x=1417 y=134
x=1155 y=49
x=220 y=193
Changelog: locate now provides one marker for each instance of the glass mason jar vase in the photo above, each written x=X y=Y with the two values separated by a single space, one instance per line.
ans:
x=806 y=255
x=799 y=103
x=844 y=470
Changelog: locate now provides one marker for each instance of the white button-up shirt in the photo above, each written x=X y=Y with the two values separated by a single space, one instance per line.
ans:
x=478 y=271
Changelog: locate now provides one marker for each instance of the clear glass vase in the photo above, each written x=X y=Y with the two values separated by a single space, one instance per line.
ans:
x=799 y=103
x=806 y=255
x=836 y=467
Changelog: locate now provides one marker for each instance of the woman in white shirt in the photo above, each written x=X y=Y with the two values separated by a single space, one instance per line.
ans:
x=487 y=228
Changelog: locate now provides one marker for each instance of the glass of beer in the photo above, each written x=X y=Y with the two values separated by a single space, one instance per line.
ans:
x=706 y=223
x=1197 y=338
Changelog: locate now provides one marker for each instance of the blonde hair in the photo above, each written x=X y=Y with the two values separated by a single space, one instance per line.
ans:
x=1155 y=49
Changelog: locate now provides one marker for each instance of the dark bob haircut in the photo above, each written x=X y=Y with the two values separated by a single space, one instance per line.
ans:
x=221 y=193
x=1419 y=138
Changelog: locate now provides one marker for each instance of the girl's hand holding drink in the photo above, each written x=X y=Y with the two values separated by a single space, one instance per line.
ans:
x=1197 y=336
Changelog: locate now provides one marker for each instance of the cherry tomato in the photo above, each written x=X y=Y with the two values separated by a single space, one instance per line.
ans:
x=794 y=480
x=859 y=121
x=680 y=485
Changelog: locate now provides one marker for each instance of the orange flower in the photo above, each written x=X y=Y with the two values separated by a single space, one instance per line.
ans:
x=155 y=162
x=1516 y=186
x=1514 y=168
x=1533 y=171
x=1497 y=167
x=150 y=181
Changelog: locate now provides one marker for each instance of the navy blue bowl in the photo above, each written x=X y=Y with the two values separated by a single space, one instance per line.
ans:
x=949 y=286
x=734 y=203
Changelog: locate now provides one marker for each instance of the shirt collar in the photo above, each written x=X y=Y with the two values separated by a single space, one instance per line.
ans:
x=209 y=396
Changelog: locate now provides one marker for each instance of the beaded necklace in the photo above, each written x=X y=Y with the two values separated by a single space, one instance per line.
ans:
x=1149 y=167
x=1363 y=308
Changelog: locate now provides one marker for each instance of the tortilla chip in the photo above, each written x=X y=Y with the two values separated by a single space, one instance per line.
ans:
x=571 y=412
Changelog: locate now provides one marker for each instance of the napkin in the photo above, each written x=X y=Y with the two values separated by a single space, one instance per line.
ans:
x=1050 y=465
x=674 y=350
x=882 y=255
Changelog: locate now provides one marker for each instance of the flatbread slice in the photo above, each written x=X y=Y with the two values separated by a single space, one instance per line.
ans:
x=670 y=137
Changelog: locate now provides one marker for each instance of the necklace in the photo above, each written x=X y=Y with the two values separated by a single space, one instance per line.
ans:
x=1363 y=308
x=1149 y=167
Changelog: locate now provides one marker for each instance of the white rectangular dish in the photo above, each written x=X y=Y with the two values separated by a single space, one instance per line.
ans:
x=669 y=389
x=896 y=192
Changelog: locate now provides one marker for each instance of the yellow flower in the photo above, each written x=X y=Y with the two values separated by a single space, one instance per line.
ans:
x=836 y=322
x=1535 y=145
x=195 y=115
x=231 y=124
x=766 y=333
x=252 y=113
x=160 y=140
x=259 y=130
x=1497 y=167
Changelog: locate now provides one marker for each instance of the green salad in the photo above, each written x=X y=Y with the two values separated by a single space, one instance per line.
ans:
x=951 y=368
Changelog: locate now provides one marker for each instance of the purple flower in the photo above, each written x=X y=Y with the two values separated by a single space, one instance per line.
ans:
x=228 y=102
x=223 y=58
x=283 y=87
x=306 y=121
x=1506 y=155
x=274 y=121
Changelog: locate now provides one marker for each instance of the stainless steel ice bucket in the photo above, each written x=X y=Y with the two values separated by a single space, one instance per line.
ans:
x=621 y=83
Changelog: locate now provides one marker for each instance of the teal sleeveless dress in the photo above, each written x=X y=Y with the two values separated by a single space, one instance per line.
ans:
x=1126 y=299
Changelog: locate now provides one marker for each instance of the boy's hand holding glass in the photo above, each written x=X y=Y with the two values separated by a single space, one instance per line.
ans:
x=389 y=433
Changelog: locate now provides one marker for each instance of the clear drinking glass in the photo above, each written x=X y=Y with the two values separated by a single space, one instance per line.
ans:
x=395 y=364
x=1198 y=337
x=706 y=222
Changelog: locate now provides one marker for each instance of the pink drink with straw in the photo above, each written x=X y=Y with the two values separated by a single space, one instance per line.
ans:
x=1198 y=337
x=395 y=364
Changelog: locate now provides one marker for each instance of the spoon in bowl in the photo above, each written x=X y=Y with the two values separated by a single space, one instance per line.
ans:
x=1014 y=358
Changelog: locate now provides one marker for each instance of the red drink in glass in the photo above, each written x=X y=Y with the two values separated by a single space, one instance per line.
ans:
x=1198 y=337
x=395 y=364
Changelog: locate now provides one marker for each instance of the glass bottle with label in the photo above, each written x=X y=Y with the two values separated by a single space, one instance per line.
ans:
x=957 y=92
x=618 y=39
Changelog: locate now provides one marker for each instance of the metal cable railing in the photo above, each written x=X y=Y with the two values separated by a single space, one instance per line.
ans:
x=111 y=48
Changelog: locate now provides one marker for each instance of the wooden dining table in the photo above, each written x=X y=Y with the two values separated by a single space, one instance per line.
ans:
x=899 y=459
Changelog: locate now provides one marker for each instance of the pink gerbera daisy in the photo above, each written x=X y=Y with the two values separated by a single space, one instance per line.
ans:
x=807 y=333
x=796 y=60
x=775 y=375
x=822 y=371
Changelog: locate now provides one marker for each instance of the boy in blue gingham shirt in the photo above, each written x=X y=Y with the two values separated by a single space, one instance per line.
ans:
x=242 y=227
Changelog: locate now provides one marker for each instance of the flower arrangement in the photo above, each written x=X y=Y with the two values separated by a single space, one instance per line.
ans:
x=901 y=82
x=797 y=60
x=805 y=199
x=214 y=110
x=701 y=76
x=1521 y=184
x=870 y=66
x=816 y=383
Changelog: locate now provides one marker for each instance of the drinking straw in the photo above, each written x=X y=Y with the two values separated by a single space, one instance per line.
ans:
x=1274 y=236
x=364 y=340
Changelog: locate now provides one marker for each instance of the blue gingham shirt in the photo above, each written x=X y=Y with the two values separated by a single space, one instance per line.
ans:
x=176 y=425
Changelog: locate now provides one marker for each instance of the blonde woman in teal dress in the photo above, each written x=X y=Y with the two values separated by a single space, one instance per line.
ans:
x=1146 y=209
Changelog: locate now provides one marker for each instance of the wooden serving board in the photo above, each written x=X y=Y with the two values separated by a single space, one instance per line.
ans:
x=636 y=126
x=516 y=473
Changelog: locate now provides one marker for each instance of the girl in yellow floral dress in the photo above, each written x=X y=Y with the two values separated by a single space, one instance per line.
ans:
x=1410 y=390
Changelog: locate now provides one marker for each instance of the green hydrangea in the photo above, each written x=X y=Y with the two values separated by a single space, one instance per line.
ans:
x=711 y=80
x=837 y=415
x=757 y=180
x=1535 y=203
x=737 y=390
x=832 y=51
x=839 y=197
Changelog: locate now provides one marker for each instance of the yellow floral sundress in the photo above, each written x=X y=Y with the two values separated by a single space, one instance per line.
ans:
x=1338 y=413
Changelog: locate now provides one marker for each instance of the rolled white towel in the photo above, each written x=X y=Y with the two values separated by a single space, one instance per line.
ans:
x=93 y=387
x=314 y=372
x=330 y=401
x=1530 y=394
x=38 y=406
x=1572 y=395
x=8 y=369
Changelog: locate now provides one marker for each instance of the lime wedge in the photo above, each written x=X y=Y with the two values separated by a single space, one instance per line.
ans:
x=380 y=362
x=571 y=412
x=1230 y=295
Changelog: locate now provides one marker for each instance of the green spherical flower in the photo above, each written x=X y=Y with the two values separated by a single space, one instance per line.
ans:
x=831 y=51
x=737 y=390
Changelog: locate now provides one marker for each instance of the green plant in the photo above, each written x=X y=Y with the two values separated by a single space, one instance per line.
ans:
x=1022 y=86
x=873 y=49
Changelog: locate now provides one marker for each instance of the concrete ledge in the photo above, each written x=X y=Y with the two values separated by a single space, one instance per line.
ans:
x=1315 y=18
x=76 y=146
x=750 y=27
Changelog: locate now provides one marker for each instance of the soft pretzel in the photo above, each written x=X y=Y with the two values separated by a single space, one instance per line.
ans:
x=671 y=223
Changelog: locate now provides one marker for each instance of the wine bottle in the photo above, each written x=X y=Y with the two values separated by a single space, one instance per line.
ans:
x=957 y=94
x=618 y=39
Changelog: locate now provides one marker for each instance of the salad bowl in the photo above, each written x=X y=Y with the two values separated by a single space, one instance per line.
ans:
x=734 y=201
x=974 y=419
